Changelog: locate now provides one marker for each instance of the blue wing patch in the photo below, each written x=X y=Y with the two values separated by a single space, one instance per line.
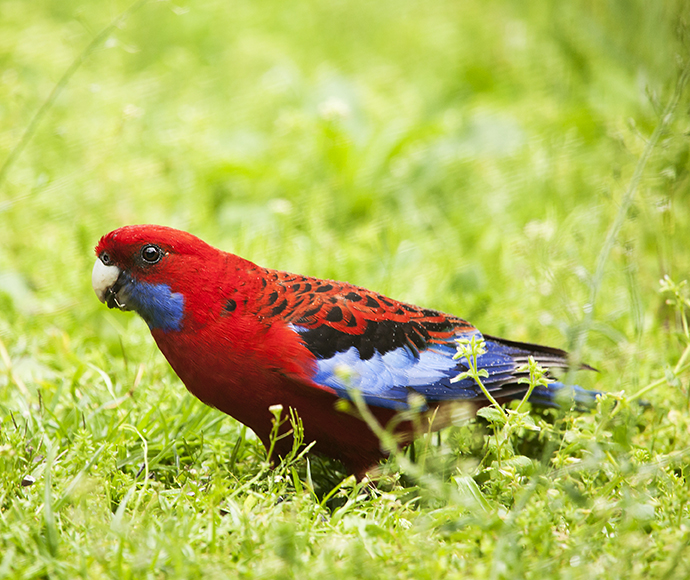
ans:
x=387 y=380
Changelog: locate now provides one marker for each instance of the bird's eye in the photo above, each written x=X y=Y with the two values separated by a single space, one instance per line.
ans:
x=105 y=258
x=151 y=254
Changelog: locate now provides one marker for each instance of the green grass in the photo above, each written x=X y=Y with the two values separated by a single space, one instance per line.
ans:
x=468 y=156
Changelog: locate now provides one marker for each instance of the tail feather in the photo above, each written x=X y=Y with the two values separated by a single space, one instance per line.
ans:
x=546 y=356
x=556 y=394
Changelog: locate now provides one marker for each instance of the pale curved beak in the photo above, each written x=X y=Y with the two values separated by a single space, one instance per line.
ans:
x=103 y=278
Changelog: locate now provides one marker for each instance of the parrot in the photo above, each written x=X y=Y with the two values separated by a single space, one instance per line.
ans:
x=244 y=339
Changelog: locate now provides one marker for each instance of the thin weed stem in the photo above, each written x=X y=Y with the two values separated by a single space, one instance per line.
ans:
x=61 y=84
x=581 y=336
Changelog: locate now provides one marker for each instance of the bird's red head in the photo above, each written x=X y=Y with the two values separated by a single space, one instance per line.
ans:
x=150 y=250
x=157 y=271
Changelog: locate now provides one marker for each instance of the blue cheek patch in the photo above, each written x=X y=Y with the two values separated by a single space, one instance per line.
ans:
x=157 y=305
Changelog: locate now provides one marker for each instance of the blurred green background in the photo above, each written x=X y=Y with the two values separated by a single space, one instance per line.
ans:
x=466 y=156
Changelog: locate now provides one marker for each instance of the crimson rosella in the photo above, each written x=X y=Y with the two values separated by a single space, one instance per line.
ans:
x=244 y=338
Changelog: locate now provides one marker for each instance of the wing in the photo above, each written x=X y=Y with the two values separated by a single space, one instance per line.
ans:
x=388 y=349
